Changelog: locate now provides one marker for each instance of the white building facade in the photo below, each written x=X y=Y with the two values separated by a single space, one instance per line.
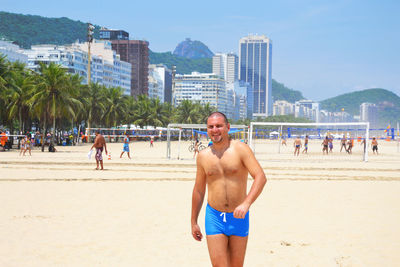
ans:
x=369 y=113
x=307 y=109
x=106 y=66
x=201 y=87
x=156 y=82
x=225 y=65
x=12 y=52
x=282 y=107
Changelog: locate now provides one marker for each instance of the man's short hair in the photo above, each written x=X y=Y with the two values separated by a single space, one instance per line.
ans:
x=97 y=131
x=218 y=113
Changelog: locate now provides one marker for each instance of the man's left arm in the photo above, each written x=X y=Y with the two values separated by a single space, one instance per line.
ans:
x=255 y=170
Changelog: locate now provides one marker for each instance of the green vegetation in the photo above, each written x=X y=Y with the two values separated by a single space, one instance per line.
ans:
x=54 y=99
x=388 y=104
x=281 y=92
x=183 y=65
x=27 y=30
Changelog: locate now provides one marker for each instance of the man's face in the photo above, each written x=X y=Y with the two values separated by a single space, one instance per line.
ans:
x=217 y=129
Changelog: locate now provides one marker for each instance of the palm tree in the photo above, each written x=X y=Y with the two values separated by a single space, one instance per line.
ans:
x=188 y=112
x=20 y=87
x=115 y=106
x=52 y=91
x=143 y=111
x=205 y=111
x=94 y=99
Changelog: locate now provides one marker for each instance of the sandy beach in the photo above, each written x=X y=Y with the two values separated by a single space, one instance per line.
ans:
x=316 y=210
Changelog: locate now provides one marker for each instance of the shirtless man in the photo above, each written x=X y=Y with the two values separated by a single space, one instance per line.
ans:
x=350 y=144
x=343 y=143
x=325 y=144
x=305 y=145
x=99 y=143
x=297 y=145
x=125 y=148
x=374 y=144
x=224 y=168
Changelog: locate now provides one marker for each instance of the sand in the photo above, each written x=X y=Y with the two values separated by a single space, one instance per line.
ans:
x=332 y=210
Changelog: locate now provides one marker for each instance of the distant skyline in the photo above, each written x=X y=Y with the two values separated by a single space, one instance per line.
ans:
x=321 y=48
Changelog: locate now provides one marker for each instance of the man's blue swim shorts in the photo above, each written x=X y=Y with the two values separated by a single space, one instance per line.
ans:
x=224 y=223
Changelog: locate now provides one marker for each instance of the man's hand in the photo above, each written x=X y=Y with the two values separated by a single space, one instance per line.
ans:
x=106 y=151
x=241 y=211
x=196 y=233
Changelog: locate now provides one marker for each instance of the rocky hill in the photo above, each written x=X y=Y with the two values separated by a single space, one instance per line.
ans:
x=193 y=50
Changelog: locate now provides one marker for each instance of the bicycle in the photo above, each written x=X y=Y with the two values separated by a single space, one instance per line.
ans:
x=200 y=147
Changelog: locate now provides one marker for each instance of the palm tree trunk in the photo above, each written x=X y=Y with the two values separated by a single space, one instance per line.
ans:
x=54 y=120
x=44 y=131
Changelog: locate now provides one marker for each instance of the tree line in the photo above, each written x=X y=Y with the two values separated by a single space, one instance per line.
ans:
x=53 y=99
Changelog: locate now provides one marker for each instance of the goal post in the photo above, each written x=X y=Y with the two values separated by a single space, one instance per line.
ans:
x=198 y=127
x=316 y=125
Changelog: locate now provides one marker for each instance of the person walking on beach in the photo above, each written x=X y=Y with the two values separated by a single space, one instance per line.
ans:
x=297 y=145
x=28 y=145
x=224 y=168
x=350 y=144
x=3 y=139
x=22 y=146
x=99 y=144
x=325 y=144
x=374 y=144
x=126 y=146
x=305 y=150
x=330 y=144
x=151 y=141
x=343 y=143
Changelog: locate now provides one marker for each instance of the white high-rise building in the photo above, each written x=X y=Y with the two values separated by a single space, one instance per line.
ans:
x=282 y=107
x=106 y=66
x=307 y=109
x=369 y=113
x=201 y=87
x=255 y=67
x=156 y=83
x=226 y=66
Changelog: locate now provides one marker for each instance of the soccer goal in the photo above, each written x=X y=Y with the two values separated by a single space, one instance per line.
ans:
x=179 y=131
x=261 y=132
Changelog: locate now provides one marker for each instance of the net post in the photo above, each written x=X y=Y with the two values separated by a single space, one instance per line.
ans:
x=366 y=143
x=168 y=143
x=251 y=137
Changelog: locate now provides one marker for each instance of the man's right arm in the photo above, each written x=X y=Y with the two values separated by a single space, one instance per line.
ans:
x=94 y=143
x=198 y=197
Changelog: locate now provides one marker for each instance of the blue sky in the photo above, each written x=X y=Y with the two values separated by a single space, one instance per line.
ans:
x=322 y=48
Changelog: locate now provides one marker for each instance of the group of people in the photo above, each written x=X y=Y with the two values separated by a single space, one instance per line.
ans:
x=327 y=145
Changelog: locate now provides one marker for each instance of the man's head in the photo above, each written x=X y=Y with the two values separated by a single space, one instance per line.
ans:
x=217 y=127
x=97 y=132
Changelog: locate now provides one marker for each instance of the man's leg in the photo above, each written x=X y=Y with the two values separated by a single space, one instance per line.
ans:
x=101 y=164
x=237 y=250
x=218 y=250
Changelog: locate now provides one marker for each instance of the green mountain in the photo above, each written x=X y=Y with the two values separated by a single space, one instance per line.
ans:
x=281 y=92
x=388 y=104
x=27 y=30
x=183 y=65
x=192 y=49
